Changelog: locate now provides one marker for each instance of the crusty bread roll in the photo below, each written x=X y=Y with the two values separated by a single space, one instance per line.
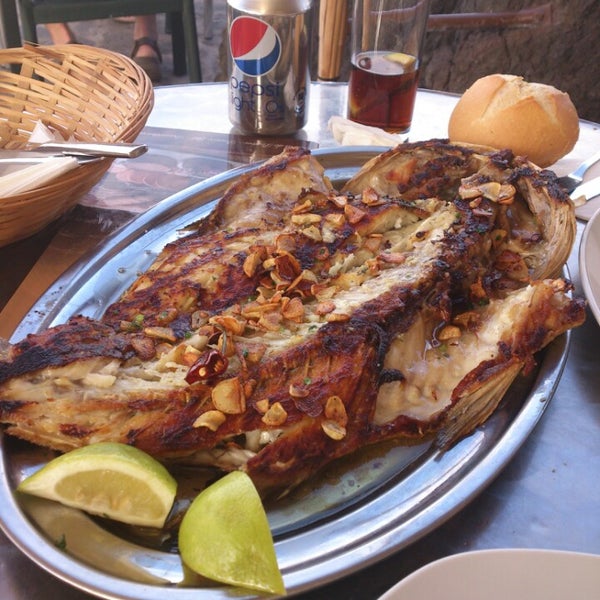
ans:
x=505 y=111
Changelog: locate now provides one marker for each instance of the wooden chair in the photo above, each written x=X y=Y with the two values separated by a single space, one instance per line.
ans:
x=181 y=15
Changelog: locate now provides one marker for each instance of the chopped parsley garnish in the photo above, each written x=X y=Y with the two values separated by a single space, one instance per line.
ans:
x=138 y=320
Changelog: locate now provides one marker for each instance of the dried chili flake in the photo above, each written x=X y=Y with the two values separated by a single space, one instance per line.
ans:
x=210 y=364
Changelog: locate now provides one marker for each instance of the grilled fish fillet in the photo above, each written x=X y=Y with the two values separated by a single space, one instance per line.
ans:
x=298 y=323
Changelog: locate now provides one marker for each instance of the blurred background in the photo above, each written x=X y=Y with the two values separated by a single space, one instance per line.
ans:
x=553 y=42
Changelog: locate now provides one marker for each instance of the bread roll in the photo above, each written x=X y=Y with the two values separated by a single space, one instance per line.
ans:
x=505 y=111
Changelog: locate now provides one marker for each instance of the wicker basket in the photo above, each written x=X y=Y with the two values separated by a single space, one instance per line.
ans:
x=83 y=93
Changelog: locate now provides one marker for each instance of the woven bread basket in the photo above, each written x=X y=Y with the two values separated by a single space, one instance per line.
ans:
x=81 y=93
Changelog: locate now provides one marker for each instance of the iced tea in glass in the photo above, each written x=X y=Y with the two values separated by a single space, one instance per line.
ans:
x=387 y=37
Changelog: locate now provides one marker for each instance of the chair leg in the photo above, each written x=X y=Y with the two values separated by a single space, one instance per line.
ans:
x=9 y=24
x=175 y=21
x=208 y=19
x=28 y=22
x=191 y=42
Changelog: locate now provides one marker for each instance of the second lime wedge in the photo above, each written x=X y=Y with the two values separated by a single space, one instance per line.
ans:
x=225 y=536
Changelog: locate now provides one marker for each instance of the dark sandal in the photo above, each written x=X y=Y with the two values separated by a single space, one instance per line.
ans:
x=150 y=64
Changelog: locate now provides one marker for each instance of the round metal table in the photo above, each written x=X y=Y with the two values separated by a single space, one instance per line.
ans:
x=548 y=495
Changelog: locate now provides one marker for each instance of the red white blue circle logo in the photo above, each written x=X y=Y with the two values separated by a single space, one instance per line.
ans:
x=255 y=46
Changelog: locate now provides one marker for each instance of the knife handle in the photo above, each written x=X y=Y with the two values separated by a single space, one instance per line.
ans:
x=590 y=189
x=95 y=148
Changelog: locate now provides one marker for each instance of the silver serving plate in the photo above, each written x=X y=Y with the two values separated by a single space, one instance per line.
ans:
x=361 y=510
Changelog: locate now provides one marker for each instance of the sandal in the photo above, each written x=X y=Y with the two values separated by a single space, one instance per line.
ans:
x=150 y=64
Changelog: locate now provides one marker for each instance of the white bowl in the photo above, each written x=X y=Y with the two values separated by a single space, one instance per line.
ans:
x=508 y=574
x=589 y=265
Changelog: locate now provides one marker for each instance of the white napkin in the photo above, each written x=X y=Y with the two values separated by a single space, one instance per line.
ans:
x=41 y=134
x=36 y=175
x=24 y=179
x=349 y=133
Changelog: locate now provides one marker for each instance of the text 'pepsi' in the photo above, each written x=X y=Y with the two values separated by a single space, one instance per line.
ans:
x=269 y=48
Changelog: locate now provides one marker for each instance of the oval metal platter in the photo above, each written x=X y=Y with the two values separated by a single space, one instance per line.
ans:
x=358 y=512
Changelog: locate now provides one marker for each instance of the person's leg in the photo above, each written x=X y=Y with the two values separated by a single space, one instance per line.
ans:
x=145 y=51
x=145 y=27
x=60 y=33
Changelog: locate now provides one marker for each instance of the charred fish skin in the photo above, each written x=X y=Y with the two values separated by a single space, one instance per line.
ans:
x=537 y=216
x=386 y=301
x=456 y=372
x=312 y=325
x=416 y=170
x=83 y=338
x=555 y=311
x=201 y=270
x=341 y=364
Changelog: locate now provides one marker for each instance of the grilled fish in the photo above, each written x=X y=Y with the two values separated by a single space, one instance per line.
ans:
x=298 y=323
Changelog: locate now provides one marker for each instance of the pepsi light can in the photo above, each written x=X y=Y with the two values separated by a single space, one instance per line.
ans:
x=269 y=77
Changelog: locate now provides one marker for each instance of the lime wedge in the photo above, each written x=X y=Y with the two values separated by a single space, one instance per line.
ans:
x=109 y=479
x=406 y=60
x=225 y=536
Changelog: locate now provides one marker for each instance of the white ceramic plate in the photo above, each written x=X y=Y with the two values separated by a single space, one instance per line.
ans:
x=586 y=211
x=509 y=574
x=589 y=264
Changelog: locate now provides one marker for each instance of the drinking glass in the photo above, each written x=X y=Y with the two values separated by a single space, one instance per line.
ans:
x=386 y=44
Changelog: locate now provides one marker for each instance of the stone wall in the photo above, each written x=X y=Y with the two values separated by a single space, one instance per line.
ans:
x=561 y=51
x=557 y=45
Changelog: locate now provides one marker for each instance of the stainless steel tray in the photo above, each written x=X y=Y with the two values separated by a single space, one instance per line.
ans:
x=360 y=511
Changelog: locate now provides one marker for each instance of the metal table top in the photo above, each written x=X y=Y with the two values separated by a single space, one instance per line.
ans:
x=547 y=497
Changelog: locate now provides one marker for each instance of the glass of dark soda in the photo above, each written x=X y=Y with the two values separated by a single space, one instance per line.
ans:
x=386 y=44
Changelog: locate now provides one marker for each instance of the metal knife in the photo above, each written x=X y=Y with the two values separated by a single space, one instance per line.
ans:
x=589 y=189
x=77 y=149
x=574 y=179
x=26 y=157
x=117 y=150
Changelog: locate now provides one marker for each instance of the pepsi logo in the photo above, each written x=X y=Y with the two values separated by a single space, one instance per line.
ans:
x=255 y=46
